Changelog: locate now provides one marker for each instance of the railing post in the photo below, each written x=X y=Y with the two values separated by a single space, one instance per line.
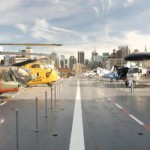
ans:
x=55 y=93
x=17 y=130
x=46 y=104
x=36 y=107
x=51 y=97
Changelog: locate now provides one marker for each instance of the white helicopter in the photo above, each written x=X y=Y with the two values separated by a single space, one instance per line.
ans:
x=138 y=71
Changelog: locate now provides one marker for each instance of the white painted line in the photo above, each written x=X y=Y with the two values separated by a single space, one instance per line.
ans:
x=118 y=106
x=97 y=90
x=3 y=103
x=102 y=93
x=17 y=94
x=133 y=117
x=108 y=98
x=77 y=135
x=137 y=120
x=2 y=120
x=13 y=96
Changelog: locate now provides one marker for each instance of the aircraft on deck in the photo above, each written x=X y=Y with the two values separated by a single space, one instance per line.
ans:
x=100 y=72
x=96 y=72
x=8 y=82
x=40 y=72
x=122 y=73
x=116 y=73
x=139 y=71
x=11 y=78
x=109 y=74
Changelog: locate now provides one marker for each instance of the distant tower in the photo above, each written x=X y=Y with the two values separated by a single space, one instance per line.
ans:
x=81 y=57
x=72 y=61
x=62 y=61
x=29 y=50
x=94 y=56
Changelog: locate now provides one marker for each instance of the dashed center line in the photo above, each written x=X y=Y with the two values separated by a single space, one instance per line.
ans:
x=126 y=112
x=137 y=120
x=118 y=106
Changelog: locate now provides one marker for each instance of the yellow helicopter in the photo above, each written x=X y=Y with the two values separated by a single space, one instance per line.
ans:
x=39 y=71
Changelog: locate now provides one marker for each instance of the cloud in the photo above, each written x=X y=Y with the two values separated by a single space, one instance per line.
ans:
x=109 y=5
x=128 y=3
x=137 y=40
x=96 y=10
x=22 y=27
x=105 y=6
x=74 y=23
x=43 y=30
x=102 y=6
x=9 y=4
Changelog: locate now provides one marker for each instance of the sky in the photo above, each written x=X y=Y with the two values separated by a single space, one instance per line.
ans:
x=80 y=25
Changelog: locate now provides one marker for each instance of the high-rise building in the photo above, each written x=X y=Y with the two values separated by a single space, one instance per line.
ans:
x=117 y=57
x=62 y=61
x=105 y=56
x=94 y=56
x=54 y=59
x=87 y=62
x=72 y=61
x=122 y=51
x=80 y=57
x=66 y=63
x=94 y=60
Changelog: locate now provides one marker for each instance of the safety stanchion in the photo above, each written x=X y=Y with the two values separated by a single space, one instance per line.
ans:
x=55 y=93
x=36 y=115
x=17 y=129
x=60 y=88
x=52 y=97
x=46 y=104
x=132 y=87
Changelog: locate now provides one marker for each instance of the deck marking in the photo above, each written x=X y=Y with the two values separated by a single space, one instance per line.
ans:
x=118 y=106
x=137 y=120
x=77 y=135
x=10 y=99
x=99 y=91
x=108 y=98
x=3 y=103
x=127 y=113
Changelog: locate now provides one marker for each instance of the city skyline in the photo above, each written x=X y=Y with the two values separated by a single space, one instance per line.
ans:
x=80 y=25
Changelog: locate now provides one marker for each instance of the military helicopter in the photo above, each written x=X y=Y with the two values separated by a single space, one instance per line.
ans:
x=12 y=77
x=39 y=72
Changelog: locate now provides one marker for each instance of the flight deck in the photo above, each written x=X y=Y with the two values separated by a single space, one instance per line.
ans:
x=76 y=114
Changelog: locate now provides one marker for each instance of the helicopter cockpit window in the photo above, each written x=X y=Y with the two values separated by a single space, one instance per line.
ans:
x=45 y=67
x=5 y=75
x=42 y=66
x=140 y=70
x=133 y=70
x=35 y=66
